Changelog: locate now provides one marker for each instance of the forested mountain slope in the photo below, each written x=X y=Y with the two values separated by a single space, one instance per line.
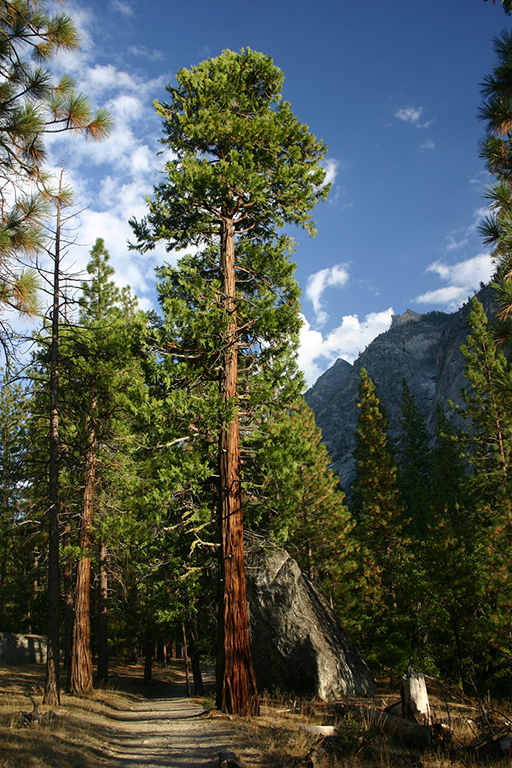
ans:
x=422 y=348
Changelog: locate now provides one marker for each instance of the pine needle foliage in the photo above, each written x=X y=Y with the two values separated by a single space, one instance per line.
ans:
x=242 y=166
x=32 y=104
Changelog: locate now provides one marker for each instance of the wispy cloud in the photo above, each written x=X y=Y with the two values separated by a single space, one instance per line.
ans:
x=461 y=279
x=455 y=245
x=426 y=146
x=412 y=115
x=141 y=50
x=318 y=352
x=333 y=277
x=122 y=7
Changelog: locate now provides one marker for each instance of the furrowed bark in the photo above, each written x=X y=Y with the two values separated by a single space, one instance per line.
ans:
x=102 y=670
x=81 y=658
x=236 y=684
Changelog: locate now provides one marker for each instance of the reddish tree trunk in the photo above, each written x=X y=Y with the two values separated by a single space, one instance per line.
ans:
x=103 y=616
x=236 y=684
x=81 y=658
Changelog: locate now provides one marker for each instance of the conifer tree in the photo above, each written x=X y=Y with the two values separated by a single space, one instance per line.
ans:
x=451 y=558
x=103 y=362
x=379 y=514
x=290 y=493
x=496 y=150
x=32 y=104
x=488 y=446
x=14 y=457
x=242 y=165
x=489 y=436
x=413 y=459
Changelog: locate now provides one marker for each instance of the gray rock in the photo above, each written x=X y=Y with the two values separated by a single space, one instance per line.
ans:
x=297 y=643
x=423 y=349
x=17 y=649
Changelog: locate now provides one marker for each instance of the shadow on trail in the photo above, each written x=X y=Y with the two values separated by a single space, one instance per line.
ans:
x=165 y=729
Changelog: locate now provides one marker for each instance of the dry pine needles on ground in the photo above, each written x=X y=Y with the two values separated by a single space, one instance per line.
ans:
x=80 y=734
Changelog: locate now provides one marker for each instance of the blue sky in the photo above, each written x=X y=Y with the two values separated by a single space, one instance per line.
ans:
x=392 y=88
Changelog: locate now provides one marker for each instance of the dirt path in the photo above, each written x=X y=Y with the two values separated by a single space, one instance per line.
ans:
x=168 y=731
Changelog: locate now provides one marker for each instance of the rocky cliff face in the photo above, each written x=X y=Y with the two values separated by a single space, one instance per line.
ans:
x=423 y=349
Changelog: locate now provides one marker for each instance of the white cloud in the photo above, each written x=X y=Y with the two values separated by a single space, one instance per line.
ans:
x=454 y=245
x=331 y=170
x=412 y=115
x=317 y=353
x=141 y=50
x=333 y=277
x=478 y=216
x=409 y=114
x=428 y=144
x=122 y=7
x=463 y=278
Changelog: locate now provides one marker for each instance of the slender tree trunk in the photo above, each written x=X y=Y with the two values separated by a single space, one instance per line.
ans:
x=148 y=659
x=68 y=600
x=103 y=616
x=185 y=655
x=236 y=684
x=52 y=682
x=81 y=658
x=196 y=667
x=5 y=512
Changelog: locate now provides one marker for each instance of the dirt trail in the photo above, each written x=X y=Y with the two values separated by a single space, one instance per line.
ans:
x=167 y=731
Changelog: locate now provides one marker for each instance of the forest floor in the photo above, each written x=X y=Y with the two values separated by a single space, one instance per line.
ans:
x=128 y=725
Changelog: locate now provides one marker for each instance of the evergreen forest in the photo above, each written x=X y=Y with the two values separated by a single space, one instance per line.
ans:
x=136 y=446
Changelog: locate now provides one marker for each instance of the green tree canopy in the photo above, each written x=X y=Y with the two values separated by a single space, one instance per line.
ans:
x=242 y=165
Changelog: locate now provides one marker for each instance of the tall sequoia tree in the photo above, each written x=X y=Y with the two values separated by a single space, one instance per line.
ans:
x=242 y=165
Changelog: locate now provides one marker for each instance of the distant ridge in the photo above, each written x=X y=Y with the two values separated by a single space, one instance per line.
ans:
x=422 y=348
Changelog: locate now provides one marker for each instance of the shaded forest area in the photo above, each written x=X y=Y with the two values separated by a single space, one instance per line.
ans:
x=132 y=441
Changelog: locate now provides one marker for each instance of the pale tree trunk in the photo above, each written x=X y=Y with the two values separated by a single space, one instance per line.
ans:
x=52 y=681
x=81 y=657
x=103 y=616
x=414 y=696
x=236 y=684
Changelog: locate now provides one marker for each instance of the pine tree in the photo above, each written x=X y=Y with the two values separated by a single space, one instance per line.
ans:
x=488 y=446
x=242 y=166
x=496 y=150
x=386 y=576
x=291 y=494
x=413 y=458
x=14 y=456
x=488 y=409
x=451 y=558
x=102 y=361
x=31 y=105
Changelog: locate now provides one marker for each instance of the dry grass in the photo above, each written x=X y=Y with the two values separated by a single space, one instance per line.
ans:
x=82 y=733
x=275 y=738
x=78 y=735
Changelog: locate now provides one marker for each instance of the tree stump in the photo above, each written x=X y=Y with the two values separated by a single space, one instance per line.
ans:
x=413 y=692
